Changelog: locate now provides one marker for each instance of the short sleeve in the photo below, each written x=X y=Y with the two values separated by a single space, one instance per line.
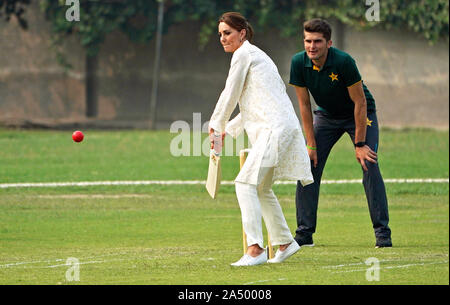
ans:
x=296 y=76
x=350 y=74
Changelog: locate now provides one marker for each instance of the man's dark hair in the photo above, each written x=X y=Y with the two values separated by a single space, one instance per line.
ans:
x=318 y=25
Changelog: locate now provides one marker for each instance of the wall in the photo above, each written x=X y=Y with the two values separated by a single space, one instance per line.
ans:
x=32 y=84
x=408 y=77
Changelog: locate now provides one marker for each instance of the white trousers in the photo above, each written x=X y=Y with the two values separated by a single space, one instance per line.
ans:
x=258 y=201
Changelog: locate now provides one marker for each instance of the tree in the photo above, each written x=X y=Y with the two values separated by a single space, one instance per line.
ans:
x=16 y=8
x=137 y=18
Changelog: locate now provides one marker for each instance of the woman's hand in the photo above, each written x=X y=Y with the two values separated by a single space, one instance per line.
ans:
x=211 y=137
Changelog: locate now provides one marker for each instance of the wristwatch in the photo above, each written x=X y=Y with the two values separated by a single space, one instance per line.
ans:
x=360 y=144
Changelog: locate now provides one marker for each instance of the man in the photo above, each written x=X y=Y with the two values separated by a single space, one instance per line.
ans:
x=344 y=105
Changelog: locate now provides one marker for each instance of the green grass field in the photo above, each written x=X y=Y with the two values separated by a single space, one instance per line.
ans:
x=159 y=234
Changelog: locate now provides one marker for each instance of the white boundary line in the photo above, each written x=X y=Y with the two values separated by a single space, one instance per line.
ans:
x=395 y=266
x=57 y=260
x=199 y=182
x=263 y=281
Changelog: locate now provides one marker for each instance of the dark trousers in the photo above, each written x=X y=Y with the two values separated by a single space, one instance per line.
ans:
x=327 y=132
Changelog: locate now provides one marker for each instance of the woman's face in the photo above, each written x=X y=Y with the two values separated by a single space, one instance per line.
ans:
x=230 y=38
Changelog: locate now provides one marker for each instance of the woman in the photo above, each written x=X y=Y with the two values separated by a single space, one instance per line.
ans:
x=278 y=147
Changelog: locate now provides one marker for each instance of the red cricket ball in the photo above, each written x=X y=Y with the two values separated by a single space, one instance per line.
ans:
x=77 y=136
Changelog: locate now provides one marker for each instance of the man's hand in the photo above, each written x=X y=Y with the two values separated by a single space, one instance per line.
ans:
x=365 y=153
x=313 y=156
x=307 y=119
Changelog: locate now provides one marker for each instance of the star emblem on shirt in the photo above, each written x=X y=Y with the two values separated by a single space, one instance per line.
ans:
x=369 y=122
x=333 y=76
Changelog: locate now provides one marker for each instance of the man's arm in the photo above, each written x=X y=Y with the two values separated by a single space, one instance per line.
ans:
x=356 y=93
x=304 y=103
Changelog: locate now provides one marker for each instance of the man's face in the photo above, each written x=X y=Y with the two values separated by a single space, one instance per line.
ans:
x=316 y=46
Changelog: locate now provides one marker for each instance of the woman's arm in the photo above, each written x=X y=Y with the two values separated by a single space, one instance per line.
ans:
x=235 y=127
x=229 y=97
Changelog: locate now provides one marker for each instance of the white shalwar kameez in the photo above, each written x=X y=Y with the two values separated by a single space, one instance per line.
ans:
x=278 y=150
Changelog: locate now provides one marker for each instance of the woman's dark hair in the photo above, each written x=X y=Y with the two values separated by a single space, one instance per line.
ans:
x=318 y=26
x=237 y=22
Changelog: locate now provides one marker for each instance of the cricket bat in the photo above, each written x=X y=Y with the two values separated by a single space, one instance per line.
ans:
x=214 y=174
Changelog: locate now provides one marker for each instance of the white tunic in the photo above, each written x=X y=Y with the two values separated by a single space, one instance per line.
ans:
x=266 y=114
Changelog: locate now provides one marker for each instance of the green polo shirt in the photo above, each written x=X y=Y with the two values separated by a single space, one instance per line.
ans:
x=329 y=85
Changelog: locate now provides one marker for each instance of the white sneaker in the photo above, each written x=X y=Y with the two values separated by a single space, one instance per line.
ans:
x=248 y=260
x=281 y=256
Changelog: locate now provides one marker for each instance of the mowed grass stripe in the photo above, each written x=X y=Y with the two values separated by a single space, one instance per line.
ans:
x=177 y=234
x=187 y=238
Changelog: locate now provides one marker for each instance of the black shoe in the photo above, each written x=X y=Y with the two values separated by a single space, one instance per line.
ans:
x=383 y=242
x=304 y=240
